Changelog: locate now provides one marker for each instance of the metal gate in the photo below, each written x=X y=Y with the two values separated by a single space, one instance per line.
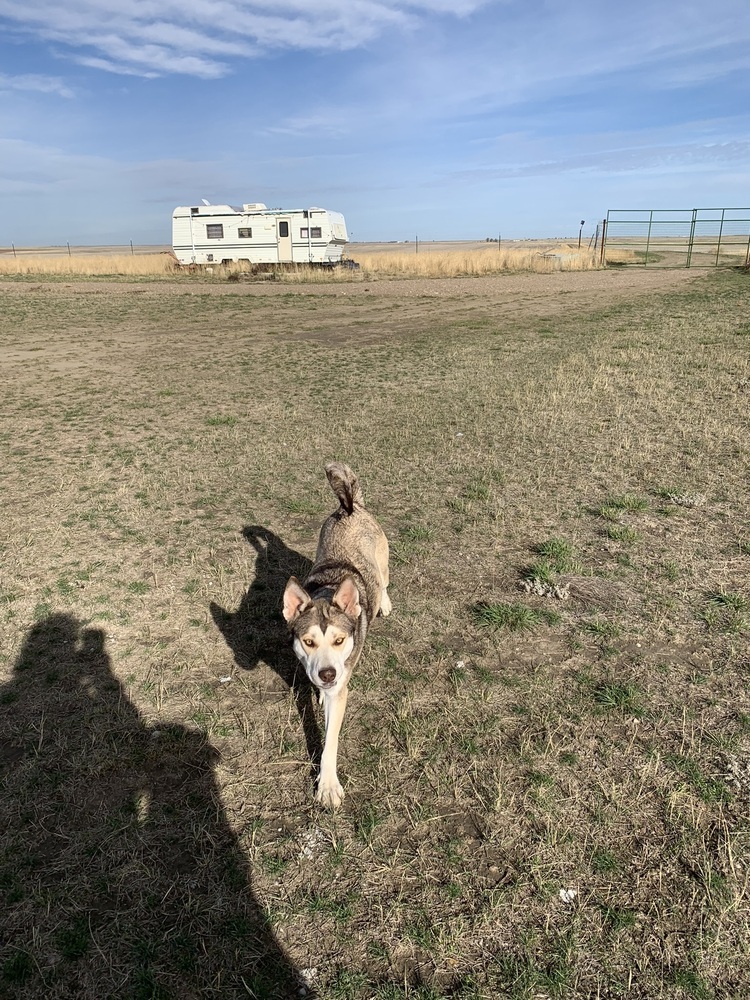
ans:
x=693 y=237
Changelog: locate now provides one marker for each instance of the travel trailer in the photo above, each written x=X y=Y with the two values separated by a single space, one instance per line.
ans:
x=216 y=234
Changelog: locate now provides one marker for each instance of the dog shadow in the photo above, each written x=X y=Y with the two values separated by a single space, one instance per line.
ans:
x=257 y=633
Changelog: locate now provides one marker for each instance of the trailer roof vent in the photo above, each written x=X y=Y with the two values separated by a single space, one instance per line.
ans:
x=255 y=206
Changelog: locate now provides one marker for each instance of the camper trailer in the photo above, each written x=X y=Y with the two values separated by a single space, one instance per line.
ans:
x=206 y=234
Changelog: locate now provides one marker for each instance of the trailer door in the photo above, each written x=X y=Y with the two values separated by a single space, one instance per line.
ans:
x=284 y=239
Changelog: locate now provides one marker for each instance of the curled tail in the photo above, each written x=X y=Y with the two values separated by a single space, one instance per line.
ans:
x=345 y=485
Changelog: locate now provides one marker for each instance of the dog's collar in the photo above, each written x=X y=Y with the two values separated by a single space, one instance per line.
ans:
x=324 y=594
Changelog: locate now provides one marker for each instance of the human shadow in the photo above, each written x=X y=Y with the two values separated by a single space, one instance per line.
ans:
x=119 y=873
x=257 y=633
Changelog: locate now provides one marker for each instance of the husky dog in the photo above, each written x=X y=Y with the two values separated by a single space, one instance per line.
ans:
x=329 y=617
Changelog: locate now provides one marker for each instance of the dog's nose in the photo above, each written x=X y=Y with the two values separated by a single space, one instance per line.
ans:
x=327 y=675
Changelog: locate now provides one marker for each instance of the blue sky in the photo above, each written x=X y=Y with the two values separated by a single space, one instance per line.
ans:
x=443 y=119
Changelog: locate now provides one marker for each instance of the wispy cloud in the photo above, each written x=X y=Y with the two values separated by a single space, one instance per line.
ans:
x=35 y=83
x=196 y=37
x=664 y=158
x=511 y=48
x=521 y=52
x=324 y=123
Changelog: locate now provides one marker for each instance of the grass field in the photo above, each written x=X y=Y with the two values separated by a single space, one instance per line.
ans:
x=376 y=261
x=547 y=749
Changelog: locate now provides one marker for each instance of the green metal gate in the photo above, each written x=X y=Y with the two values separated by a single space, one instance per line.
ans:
x=693 y=237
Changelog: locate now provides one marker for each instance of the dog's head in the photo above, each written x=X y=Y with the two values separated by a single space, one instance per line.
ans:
x=323 y=631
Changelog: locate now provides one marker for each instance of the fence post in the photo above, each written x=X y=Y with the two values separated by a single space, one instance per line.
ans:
x=691 y=238
x=718 y=242
x=14 y=249
x=648 y=237
x=68 y=246
x=604 y=240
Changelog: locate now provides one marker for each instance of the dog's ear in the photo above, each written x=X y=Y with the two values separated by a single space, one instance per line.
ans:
x=295 y=599
x=347 y=598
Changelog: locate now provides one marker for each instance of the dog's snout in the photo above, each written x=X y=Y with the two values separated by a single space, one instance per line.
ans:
x=327 y=675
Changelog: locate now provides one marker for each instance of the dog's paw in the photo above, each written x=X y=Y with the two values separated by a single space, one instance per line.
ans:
x=385 y=604
x=330 y=794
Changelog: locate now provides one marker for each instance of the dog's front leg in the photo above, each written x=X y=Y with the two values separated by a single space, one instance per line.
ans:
x=330 y=793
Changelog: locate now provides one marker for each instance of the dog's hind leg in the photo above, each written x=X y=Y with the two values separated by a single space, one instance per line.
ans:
x=385 y=603
x=329 y=793
x=381 y=558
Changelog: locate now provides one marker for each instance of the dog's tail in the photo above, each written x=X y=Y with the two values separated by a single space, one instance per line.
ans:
x=345 y=485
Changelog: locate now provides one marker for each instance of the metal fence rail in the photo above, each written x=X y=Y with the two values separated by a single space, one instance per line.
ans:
x=693 y=237
x=72 y=250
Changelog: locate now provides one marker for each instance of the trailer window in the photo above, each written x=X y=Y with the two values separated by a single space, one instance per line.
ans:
x=245 y=234
x=283 y=229
x=215 y=231
x=303 y=233
x=315 y=233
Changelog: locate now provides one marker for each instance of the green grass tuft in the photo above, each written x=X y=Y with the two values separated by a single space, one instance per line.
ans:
x=622 y=697
x=512 y=617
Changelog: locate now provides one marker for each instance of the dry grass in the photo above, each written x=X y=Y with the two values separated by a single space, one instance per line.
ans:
x=89 y=265
x=427 y=264
x=452 y=264
x=546 y=797
x=619 y=255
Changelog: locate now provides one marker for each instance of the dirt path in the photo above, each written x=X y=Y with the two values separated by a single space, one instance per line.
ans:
x=594 y=286
x=148 y=313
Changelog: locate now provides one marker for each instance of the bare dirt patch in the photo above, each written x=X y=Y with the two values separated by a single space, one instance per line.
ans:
x=523 y=296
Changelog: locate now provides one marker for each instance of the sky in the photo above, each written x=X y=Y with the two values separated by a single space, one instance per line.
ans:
x=429 y=119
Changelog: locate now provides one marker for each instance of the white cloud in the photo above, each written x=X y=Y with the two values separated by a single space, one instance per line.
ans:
x=193 y=36
x=511 y=47
x=617 y=160
x=35 y=83
x=697 y=146
x=524 y=53
x=325 y=122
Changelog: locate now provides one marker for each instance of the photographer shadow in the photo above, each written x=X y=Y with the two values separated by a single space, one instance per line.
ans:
x=121 y=875
x=257 y=633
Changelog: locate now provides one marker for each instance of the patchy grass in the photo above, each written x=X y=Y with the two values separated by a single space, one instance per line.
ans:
x=544 y=798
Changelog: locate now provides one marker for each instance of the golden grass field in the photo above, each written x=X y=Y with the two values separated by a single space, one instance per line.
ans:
x=381 y=261
x=546 y=754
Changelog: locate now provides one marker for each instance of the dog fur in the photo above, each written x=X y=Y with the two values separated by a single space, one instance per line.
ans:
x=329 y=616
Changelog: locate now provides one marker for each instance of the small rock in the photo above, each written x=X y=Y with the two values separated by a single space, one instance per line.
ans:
x=560 y=591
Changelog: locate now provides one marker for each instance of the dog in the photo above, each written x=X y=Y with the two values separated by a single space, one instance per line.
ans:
x=330 y=615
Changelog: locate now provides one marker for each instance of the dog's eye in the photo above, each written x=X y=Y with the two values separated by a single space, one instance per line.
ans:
x=339 y=641
x=309 y=643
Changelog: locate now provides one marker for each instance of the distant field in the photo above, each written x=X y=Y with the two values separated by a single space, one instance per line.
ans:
x=547 y=753
x=77 y=251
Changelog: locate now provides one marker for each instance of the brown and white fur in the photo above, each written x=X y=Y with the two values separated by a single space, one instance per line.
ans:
x=329 y=616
